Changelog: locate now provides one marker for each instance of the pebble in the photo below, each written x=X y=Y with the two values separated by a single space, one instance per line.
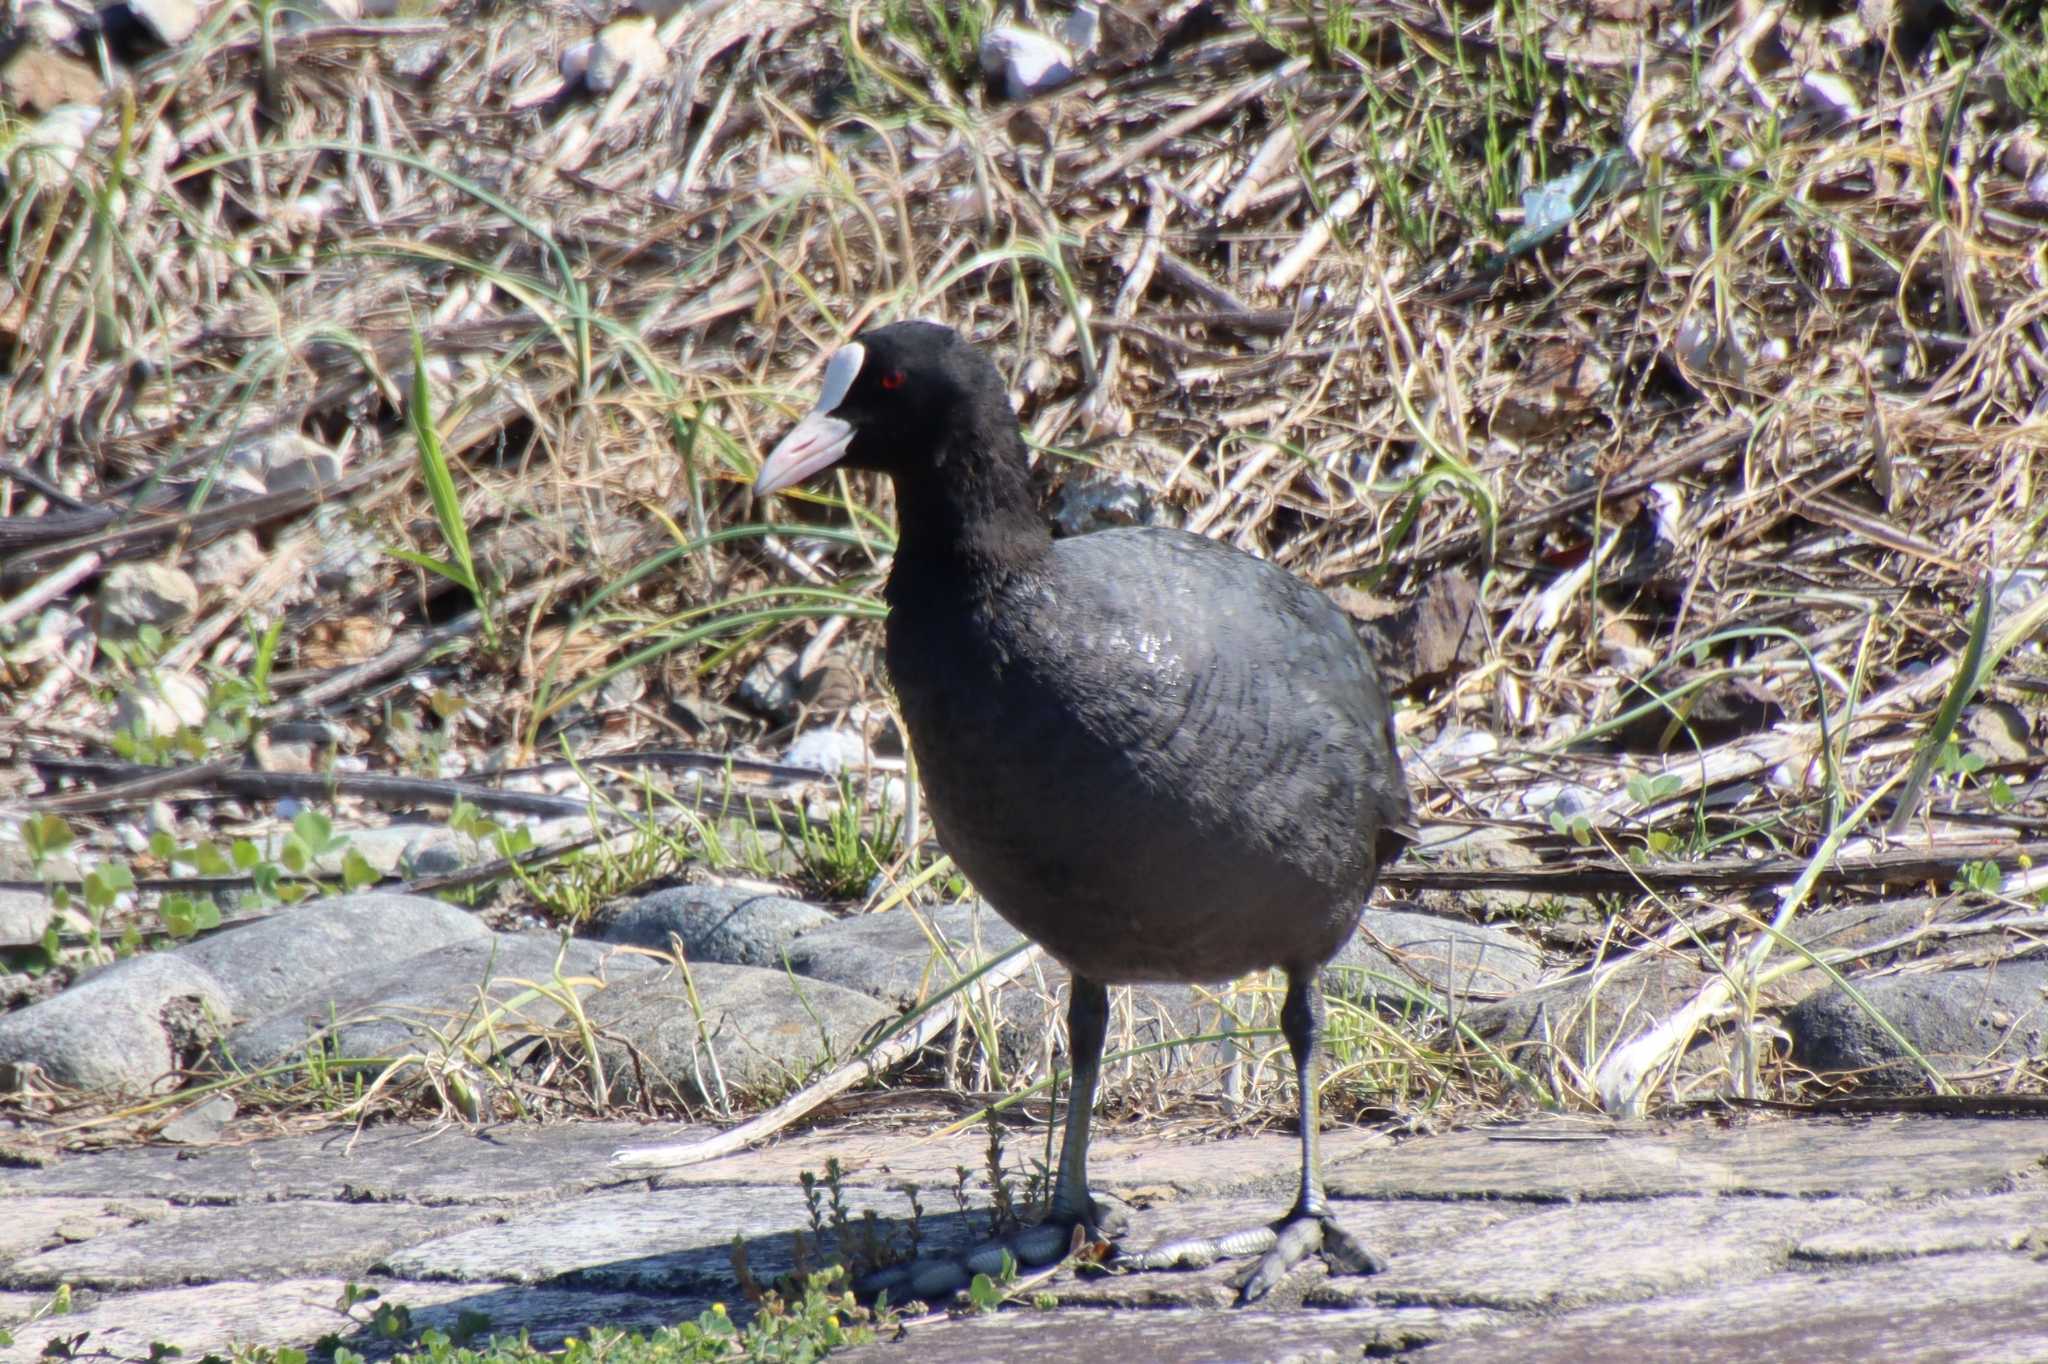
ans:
x=134 y=595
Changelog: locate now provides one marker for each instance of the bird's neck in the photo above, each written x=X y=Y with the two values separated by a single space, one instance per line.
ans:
x=973 y=514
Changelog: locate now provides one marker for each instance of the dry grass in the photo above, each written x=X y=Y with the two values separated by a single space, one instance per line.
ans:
x=1720 y=473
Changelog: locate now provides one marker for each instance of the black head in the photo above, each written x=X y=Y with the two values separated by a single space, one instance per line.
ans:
x=900 y=399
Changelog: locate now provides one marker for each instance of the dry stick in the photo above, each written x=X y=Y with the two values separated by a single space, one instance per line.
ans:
x=1747 y=759
x=53 y=586
x=1304 y=252
x=1594 y=878
x=1625 y=1077
x=141 y=784
x=1710 y=445
x=1191 y=119
x=904 y=1043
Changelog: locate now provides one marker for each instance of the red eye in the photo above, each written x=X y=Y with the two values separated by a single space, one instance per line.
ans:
x=893 y=380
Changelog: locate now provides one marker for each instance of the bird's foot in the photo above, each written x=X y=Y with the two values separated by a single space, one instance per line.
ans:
x=1280 y=1247
x=1046 y=1243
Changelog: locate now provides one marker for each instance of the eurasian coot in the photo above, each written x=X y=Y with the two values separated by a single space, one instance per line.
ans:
x=1160 y=757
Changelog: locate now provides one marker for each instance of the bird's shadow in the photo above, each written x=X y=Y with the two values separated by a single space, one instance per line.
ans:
x=646 y=1292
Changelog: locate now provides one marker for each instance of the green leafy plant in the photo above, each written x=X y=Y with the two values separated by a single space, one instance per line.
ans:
x=460 y=565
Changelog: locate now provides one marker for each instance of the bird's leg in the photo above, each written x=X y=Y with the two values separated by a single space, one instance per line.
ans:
x=1308 y=1227
x=1072 y=1205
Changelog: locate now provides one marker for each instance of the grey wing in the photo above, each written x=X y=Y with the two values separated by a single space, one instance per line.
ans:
x=1235 y=683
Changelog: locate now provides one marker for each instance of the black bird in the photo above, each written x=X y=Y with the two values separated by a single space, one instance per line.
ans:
x=1160 y=757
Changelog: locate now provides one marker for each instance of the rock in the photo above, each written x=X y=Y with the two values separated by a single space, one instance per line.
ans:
x=408 y=848
x=2001 y=729
x=47 y=21
x=1022 y=61
x=422 y=1002
x=770 y=687
x=223 y=1319
x=58 y=139
x=1098 y=499
x=351 y=560
x=628 y=48
x=201 y=1123
x=1586 y=1014
x=134 y=595
x=171 y=22
x=733 y=1034
x=24 y=917
x=119 y=1031
x=891 y=955
x=1958 y=1020
x=161 y=703
x=1457 y=745
x=831 y=751
x=731 y=925
x=1489 y=847
x=1860 y=926
x=37 y=79
x=285 y=461
x=204 y=1244
x=265 y=966
x=1395 y=954
x=228 y=561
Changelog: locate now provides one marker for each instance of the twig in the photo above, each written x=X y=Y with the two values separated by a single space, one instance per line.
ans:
x=905 y=1042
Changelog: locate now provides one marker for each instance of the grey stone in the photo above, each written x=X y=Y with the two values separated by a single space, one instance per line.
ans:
x=265 y=966
x=1586 y=1253
x=134 y=595
x=201 y=1123
x=1564 y=1160
x=1096 y=499
x=1939 y=1226
x=258 y=1240
x=770 y=687
x=287 y=461
x=1958 y=1020
x=1862 y=926
x=905 y=955
x=729 y=924
x=351 y=556
x=1979 y=1309
x=1182 y=1335
x=1486 y=847
x=732 y=1034
x=228 y=561
x=830 y=751
x=216 y=1318
x=427 y=1163
x=406 y=848
x=2002 y=729
x=37 y=1224
x=122 y=1030
x=667 y=1240
x=1395 y=956
x=1141 y=1167
x=425 y=1001
x=172 y=21
x=160 y=703
x=24 y=917
x=1580 y=1017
